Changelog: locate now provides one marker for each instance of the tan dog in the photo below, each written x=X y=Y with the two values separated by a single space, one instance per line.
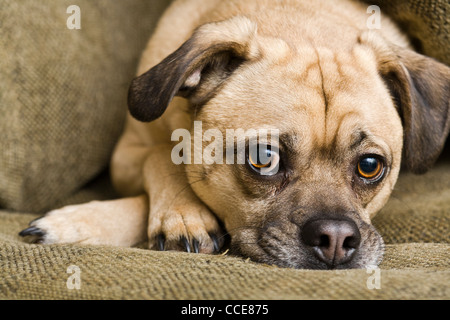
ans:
x=349 y=103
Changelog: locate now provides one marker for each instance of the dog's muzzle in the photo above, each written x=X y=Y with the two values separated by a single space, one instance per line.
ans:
x=311 y=240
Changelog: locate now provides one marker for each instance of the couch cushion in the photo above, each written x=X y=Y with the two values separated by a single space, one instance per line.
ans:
x=419 y=207
x=409 y=271
x=426 y=22
x=63 y=93
x=418 y=212
x=416 y=262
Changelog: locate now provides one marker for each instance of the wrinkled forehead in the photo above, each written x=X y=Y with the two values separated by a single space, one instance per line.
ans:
x=314 y=92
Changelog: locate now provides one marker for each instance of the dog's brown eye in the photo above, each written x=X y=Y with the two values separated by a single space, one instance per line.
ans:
x=257 y=163
x=370 y=168
x=264 y=160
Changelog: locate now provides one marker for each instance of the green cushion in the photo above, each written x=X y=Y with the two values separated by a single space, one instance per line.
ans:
x=419 y=207
x=426 y=22
x=63 y=93
x=416 y=263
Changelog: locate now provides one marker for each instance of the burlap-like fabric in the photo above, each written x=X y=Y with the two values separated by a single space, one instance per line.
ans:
x=416 y=272
x=427 y=22
x=419 y=207
x=63 y=93
x=416 y=263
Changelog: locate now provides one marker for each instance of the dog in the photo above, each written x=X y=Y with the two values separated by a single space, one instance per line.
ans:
x=352 y=107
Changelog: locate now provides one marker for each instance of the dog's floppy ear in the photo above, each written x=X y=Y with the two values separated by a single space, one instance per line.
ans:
x=420 y=87
x=196 y=69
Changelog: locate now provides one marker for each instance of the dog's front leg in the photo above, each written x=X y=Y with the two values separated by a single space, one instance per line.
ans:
x=178 y=219
x=117 y=222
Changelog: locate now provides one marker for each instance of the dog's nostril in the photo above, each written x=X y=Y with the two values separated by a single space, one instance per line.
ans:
x=351 y=243
x=324 y=241
x=333 y=241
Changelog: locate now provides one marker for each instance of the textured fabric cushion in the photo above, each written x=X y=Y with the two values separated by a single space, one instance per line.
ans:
x=63 y=93
x=419 y=207
x=426 y=22
x=410 y=271
x=416 y=262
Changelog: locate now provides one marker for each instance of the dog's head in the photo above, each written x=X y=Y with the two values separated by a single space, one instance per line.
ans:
x=345 y=120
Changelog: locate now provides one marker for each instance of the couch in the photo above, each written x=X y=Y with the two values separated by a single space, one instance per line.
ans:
x=62 y=107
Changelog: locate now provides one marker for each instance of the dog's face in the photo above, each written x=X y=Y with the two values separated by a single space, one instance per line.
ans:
x=337 y=156
x=340 y=118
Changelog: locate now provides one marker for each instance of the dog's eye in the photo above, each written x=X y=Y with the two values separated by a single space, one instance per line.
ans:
x=258 y=163
x=264 y=160
x=370 y=168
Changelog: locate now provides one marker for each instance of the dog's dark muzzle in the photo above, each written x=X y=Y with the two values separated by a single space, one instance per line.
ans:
x=310 y=240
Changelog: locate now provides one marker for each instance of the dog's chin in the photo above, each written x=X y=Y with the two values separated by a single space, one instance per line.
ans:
x=273 y=245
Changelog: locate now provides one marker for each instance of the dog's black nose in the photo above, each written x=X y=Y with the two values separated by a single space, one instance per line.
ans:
x=334 y=241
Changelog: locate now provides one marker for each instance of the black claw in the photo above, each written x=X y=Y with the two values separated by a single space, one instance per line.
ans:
x=187 y=245
x=161 y=242
x=31 y=231
x=196 y=245
x=215 y=242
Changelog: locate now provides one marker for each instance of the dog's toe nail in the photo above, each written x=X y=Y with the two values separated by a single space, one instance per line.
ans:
x=186 y=243
x=35 y=232
x=196 y=245
x=31 y=231
x=215 y=242
x=161 y=242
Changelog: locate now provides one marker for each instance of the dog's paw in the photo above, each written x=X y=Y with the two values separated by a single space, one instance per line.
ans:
x=60 y=226
x=119 y=222
x=190 y=228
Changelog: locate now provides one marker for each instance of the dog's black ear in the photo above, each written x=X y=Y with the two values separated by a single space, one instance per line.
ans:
x=195 y=70
x=420 y=87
